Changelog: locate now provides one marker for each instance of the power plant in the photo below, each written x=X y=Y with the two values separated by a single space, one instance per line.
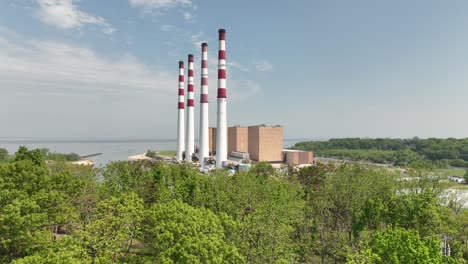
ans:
x=228 y=146
x=190 y=138
x=203 y=151
x=180 y=116
x=221 y=124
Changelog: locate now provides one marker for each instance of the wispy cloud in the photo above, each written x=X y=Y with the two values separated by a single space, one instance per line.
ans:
x=188 y=16
x=168 y=28
x=48 y=67
x=160 y=4
x=156 y=7
x=243 y=89
x=65 y=14
x=237 y=65
x=197 y=39
x=263 y=66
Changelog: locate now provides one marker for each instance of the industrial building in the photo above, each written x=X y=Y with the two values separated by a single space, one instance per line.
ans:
x=234 y=144
x=266 y=143
x=297 y=157
x=238 y=139
x=260 y=143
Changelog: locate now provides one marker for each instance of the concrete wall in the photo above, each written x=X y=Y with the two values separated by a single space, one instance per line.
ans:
x=298 y=157
x=238 y=139
x=265 y=143
x=212 y=140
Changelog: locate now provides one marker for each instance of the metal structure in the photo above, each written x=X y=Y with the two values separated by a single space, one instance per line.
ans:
x=190 y=137
x=204 y=148
x=221 y=137
x=181 y=112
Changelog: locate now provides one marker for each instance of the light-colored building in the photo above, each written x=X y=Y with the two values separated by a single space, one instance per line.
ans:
x=212 y=140
x=265 y=143
x=297 y=157
x=238 y=139
x=262 y=143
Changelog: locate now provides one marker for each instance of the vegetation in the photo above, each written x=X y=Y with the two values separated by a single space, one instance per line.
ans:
x=4 y=156
x=155 y=212
x=59 y=156
x=168 y=153
x=159 y=154
x=434 y=151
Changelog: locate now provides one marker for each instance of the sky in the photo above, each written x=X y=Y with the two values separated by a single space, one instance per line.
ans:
x=86 y=69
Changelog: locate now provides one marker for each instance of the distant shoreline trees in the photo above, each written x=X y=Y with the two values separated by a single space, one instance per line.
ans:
x=401 y=152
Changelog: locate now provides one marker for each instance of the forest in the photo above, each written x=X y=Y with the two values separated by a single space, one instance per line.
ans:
x=156 y=212
x=401 y=152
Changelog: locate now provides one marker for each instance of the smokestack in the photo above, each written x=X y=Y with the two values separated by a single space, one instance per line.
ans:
x=204 y=151
x=221 y=136
x=180 y=123
x=190 y=145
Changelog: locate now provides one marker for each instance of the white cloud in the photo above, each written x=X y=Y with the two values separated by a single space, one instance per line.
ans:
x=65 y=14
x=187 y=15
x=55 y=66
x=237 y=65
x=197 y=39
x=263 y=66
x=169 y=28
x=153 y=5
x=55 y=89
x=156 y=7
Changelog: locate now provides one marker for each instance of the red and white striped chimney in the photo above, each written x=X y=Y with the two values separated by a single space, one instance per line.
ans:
x=181 y=119
x=190 y=138
x=204 y=145
x=221 y=135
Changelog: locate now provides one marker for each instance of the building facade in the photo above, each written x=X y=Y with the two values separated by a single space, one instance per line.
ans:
x=297 y=157
x=265 y=143
x=238 y=139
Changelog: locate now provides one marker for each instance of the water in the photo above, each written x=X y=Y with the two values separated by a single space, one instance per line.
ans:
x=112 y=150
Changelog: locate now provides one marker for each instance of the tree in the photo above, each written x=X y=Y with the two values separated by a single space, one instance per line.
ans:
x=179 y=233
x=466 y=176
x=3 y=154
x=115 y=226
x=34 y=156
x=66 y=250
x=20 y=228
x=398 y=245
x=263 y=169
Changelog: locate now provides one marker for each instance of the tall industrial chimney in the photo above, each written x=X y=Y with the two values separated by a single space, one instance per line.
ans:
x=221 y=136
x=190 y=144
x=181 y=119
x=204 y=151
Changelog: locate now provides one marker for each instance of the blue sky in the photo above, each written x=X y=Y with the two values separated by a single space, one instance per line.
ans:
x=108 y=69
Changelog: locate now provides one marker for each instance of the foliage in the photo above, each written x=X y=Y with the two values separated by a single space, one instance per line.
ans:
x=4 y=154
x=66 y=250
x=152 y=211
x=35 y=156
x=179 y=233
x=401 y=152
x=263 y=169
x=115 y=226
x=59 y=156
x=398 y=245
